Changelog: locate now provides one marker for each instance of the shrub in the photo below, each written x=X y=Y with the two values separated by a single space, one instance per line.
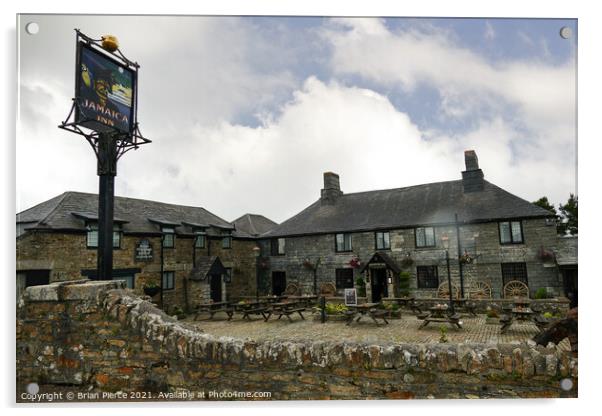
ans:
x=360 y=285
x=335 y=308
x=404 y=284
x=541 y=293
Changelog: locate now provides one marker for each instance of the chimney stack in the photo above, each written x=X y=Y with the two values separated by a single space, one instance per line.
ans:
x=472 y=177
x=332 y=188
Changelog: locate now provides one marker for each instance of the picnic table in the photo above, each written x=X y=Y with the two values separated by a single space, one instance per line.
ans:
x=286 y=309
x=214 y=307
x=273 y=298
x=365 y=309
x=521 y=314
x=439 y=313
x=250 y=307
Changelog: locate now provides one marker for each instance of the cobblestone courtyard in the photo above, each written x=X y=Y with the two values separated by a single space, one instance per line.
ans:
x=404 y=330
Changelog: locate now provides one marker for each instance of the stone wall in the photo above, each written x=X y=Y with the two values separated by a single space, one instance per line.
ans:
x=96 y=337
x=485 y=248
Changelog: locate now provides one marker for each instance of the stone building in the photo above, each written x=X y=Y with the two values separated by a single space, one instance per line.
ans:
x=368 y=238
x=199 y=255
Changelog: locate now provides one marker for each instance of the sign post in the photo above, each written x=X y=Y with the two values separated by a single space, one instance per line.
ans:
x=104 y=112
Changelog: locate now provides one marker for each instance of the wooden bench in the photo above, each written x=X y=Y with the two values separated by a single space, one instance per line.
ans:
x=256 y=311
x=453 y=320
x=378 y=313
x=211 y=311
x=286 y=312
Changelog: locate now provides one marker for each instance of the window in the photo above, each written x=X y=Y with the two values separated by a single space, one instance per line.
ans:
x=117 y=236
x=168 y=280
x=511 y=232
x=278 y=247
x=514 y=271
x=425 y=237
x=383 y=241
x=343 y=242
x=92 y=235
x=428 y=277
x=227 y=242
x=228 y=275
x=199 y=241
x=169 y=237
x=129 y=280
x=344 y=278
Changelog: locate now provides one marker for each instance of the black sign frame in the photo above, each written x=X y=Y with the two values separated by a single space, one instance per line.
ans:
x=90 y=123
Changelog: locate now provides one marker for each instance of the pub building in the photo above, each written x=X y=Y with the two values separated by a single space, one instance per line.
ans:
x=194 y=255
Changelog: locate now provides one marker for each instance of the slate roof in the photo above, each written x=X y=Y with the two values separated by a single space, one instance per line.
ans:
x=566 y=251
x=429 y=204
x=68 y=210
x=205 y=266
x=253 y=224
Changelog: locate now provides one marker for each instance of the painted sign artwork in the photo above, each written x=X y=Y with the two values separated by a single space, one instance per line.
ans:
x=105 y=91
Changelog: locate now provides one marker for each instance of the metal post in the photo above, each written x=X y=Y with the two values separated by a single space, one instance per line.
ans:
x=322 y=309
x=316 y=280
x=257 y=278
x=451 y=301
x=162 y=271
x=460 y=265
x=106 y=170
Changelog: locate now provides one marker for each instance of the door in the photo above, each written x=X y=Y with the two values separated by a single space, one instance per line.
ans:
x=379 y=284
x=569 y=279
x=278 y=283
x=216 y=287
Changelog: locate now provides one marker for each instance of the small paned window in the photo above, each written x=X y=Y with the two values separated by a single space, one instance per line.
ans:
x=168 y=280
x=383 y=241
x=511 y=232
x=428 y=277
x=343 y=242
x=425 y=237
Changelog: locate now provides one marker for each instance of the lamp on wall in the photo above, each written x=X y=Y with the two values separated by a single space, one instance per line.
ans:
x=257 y=253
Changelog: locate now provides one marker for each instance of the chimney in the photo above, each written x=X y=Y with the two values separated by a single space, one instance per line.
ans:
x=472 y=177
x=332 y=189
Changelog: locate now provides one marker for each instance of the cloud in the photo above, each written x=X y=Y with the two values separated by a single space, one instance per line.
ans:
x=489 y=31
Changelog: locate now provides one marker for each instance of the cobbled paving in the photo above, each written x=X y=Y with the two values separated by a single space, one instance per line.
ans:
x=404 y=330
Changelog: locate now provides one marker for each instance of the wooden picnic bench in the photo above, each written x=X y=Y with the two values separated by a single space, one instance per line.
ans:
x=438 y=314
x=356 y=312
x=253 y=308
x=213 y=308
x=522 y=314
x=286 y=309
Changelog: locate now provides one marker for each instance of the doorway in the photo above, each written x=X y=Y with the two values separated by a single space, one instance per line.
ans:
x=278 y=283
x=216 y=287
x=569 y=280
x=378 y=284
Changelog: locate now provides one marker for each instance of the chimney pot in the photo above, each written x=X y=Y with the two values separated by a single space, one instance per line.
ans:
x=472 y=177
x=332 y=188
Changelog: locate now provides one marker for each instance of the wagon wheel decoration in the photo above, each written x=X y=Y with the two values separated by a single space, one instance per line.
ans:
x=480 y=290
x=516 y=289
x=443 y=291
x=328 y=289
x=291 y=289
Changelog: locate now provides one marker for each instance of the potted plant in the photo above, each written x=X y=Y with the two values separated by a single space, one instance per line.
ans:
x=492 y=316
x=151 y=289
x=360 y=285
x=404 y=284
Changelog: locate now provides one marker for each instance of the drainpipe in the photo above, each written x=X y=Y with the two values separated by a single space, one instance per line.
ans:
x=461 y=266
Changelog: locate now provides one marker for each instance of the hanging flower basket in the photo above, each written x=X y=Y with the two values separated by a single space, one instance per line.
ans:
x=546 y=256
x=355 y=262
x=466 y=258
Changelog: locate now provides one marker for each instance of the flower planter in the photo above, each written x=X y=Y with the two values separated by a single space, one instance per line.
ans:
x=331 y=317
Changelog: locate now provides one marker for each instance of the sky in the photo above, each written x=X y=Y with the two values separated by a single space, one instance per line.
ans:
x=246 y=113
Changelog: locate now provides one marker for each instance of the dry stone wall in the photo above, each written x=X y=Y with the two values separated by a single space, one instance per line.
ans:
x=98 y=337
